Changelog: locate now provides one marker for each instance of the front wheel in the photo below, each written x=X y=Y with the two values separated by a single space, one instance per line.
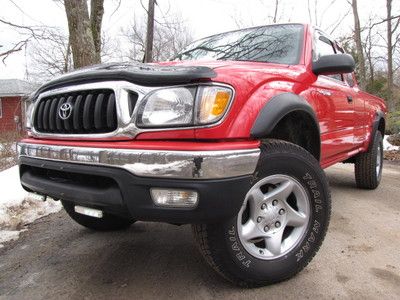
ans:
x=281 y=224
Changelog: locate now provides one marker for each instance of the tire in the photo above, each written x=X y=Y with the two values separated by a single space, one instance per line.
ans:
x=254 y=262
x=368 y=165
x=107 y=223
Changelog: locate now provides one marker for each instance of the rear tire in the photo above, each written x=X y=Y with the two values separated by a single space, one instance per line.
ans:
x=287 y=212
x=107 y=223
x=368 y=165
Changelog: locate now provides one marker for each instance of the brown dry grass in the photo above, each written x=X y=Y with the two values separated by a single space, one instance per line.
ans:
x=8 y=157
x=392 y=155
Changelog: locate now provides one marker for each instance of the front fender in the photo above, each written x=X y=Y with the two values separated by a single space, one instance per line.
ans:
x=276 y=109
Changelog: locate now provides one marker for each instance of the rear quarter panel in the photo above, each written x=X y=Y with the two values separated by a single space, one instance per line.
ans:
x=373 y=106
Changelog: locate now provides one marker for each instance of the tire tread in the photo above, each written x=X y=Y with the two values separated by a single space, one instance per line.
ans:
x=203 y=233
x=364 y=167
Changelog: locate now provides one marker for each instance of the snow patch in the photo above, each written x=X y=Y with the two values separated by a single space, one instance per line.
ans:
x=8 y=235
x=388 y=146
x=17 y=209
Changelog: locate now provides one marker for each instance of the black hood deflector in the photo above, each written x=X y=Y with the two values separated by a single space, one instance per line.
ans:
x=142 y=74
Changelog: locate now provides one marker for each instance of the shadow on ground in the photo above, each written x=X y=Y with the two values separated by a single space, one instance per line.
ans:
x=59 y=259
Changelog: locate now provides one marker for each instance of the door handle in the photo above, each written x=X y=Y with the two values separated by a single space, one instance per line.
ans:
x=349 y=99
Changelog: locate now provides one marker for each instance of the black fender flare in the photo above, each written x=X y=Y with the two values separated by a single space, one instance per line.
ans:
x=276 y=109
x=379 y=115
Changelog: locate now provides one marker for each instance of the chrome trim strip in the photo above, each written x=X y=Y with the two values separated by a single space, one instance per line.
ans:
x=153 y=163
x=127 y=128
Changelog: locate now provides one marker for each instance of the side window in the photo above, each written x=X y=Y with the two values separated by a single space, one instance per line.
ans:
x=347 y=76
x=323 y=46
x=1 y=109
x=349 y=79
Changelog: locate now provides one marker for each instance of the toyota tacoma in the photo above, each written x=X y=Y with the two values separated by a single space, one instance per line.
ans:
x=231 y=136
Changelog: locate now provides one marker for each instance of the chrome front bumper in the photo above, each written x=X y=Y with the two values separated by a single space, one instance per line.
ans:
x=153 y=163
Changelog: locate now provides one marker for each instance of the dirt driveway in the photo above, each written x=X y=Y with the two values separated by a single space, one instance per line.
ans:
x=57 y=259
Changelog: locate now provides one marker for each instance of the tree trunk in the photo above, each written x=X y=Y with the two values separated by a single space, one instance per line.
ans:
x=368 y=54
x=67 y=56
x=96 y=17
x=359 y=48
x=84 y=32
x=390 y=55
x=148 y=57
x=276 y=11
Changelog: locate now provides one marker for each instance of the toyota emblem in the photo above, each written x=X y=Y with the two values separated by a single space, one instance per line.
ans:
x=65 y=111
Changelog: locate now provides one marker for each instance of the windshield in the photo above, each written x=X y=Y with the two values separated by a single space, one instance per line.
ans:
x=275 y=43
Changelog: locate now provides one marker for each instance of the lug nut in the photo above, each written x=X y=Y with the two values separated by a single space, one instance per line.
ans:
x=266 y=228
x=263 y=206
x=275 y=202
x=277 y=224
x=281 y=211
x=261 y=252
x=259 y=219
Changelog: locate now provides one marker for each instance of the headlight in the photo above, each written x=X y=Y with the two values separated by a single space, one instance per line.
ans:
x=28 y=113
x=184 y=106
x=172 y=106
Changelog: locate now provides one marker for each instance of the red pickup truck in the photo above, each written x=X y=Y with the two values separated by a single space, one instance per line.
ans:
x=230 y=136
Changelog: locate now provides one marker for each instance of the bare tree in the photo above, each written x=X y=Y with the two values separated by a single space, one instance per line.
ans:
x=369 y=48
x=148 y=57
x=96 y=18
x=391 y=45
x=317 y=11
x=26 y=34
x=50 y=57
x=85 y=30
x=273 y=14
x=170 y=36
x=275 y=11
x=358 y=44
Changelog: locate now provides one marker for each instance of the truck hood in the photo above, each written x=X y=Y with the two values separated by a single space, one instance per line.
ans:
x=182 y=72
x=253 y=73
x=143 y=74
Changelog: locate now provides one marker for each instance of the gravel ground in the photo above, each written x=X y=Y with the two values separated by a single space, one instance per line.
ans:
x=57 y=259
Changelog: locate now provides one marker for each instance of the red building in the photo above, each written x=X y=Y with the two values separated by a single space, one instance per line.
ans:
x=12 y=92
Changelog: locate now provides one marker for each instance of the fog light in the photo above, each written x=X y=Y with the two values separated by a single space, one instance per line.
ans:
x=91 y=212
x=174 y=198
x=36 y=197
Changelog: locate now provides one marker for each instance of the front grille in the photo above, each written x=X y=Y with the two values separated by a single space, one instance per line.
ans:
x=89 y=111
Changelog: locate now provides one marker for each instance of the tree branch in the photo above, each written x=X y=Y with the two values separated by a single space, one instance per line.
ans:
x=385 y=20
x=16 y=48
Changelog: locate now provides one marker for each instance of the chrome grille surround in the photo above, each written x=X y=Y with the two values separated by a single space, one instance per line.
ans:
x=126 y=128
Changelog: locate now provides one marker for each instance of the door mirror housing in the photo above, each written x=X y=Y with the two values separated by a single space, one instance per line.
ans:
x=334 y=64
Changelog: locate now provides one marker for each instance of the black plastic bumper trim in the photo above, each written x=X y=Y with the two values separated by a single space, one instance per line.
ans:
x=120 y=192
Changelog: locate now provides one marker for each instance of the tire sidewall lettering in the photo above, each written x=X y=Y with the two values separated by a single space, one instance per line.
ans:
x=303 y=249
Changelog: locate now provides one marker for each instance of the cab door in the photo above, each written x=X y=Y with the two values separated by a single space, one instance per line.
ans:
x=360 y=116
x=335 y=104
x=360 y=130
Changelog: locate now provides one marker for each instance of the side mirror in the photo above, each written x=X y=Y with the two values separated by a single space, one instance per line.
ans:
x=334 y=64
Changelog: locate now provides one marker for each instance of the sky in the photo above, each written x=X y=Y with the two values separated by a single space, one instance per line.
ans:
x=202 y=17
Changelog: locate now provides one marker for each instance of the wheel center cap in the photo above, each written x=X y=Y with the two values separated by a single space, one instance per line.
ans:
x=272 y=216
x=271 y=212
